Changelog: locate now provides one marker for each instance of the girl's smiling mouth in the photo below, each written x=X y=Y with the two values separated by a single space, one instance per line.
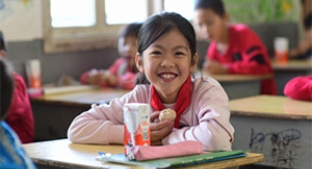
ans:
x=167 y=76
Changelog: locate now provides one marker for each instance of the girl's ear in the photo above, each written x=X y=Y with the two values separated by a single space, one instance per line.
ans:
x=194 y=62
x=139 y=62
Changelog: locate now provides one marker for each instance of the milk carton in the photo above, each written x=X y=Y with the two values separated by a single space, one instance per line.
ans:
x=137 y=127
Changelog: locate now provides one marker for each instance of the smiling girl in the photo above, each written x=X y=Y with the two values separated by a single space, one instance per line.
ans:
x=167 y=57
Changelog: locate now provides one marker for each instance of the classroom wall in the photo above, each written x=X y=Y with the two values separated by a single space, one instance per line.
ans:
x=21 y=24
x=53 y=66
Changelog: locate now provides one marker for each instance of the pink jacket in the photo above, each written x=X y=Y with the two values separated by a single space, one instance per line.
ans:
x=206 y=120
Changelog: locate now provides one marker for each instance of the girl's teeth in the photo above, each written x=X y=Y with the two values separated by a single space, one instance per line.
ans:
x=167 y=76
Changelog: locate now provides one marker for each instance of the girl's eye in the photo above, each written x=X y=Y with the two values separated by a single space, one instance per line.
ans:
x=179 y=54
x=156 y=53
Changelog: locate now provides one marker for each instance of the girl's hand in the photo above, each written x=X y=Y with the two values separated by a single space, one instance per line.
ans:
x=159 y=130
x=94 y=78
x=111 y=79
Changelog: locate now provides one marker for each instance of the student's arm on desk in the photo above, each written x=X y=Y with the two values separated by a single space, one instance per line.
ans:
x=101 y=124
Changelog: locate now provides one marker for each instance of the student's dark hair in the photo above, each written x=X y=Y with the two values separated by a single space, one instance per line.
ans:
x=2 y=42
x=161 y=24
x=6 y=86
x=130 y=30
x=216 y=5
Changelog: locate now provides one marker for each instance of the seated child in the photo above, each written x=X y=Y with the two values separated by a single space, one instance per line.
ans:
x=234 y=49
x=122 y=73
x=304 y=49
x=167 y=57
x=20 y=116
x=12 y=153
x=299 y=88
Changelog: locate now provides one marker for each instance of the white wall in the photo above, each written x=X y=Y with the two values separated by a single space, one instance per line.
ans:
x=21 y=20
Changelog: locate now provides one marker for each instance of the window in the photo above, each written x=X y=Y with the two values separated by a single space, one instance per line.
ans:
x=94 y=24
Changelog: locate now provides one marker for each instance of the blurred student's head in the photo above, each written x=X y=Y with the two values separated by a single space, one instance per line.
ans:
x=2 y=45
x=127 y=41
x=6 y=87
x=210 y=18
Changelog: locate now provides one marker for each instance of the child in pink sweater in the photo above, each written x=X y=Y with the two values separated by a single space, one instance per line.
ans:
x=167 y=57
x=19 y=116
x=122 y=73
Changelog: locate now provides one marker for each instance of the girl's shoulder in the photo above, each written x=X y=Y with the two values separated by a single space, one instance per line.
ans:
x=206 y=87
x=141 y=91
x=205 y=83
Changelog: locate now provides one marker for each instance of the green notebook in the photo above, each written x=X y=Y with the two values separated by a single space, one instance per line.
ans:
x=175 y=161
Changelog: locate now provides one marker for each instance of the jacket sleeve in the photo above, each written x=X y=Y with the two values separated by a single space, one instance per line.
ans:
x=251 y=57
x=214 y=130
x=102 y=124
x=299 y=88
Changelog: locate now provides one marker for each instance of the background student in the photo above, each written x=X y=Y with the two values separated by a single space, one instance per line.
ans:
x=12 y=154
x=304 y=49
x=234 y=48
x=20 y=115
x=123 y=72
x=167 y=57
x=299 y=88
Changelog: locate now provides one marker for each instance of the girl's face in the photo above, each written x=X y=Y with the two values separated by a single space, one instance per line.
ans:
x=211 y=25
x=127 y=48
x=167 y=64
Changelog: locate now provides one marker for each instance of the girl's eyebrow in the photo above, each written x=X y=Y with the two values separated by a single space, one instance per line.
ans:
x=175 y=48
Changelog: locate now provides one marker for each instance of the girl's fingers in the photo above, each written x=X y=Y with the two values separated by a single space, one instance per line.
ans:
x=154 y=116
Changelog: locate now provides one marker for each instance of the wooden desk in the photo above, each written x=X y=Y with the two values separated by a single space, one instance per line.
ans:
x=64 y=154
x=276 y=126
x=81 y=98
x=239 y=86
x=285 y=72
x=61 y=109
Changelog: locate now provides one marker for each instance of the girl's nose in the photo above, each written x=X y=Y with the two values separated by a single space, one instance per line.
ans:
x=167 y=62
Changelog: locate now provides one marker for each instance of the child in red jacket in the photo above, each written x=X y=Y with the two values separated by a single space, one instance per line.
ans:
x=19 y=116
x=123 y=72
x=299 y=88
x=234 y=49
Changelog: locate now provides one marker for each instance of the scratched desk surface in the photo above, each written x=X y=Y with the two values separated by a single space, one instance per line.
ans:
x=86 y=97
x=276 y=126
x=293 y=65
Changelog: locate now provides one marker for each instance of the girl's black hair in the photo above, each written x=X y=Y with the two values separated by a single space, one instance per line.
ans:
x=161 y=24
x=216 y=5
x=6 y=86
x=2 y=42
x=131 y=30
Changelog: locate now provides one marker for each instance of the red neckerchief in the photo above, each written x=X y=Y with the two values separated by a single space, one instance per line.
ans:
x=181 y=104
